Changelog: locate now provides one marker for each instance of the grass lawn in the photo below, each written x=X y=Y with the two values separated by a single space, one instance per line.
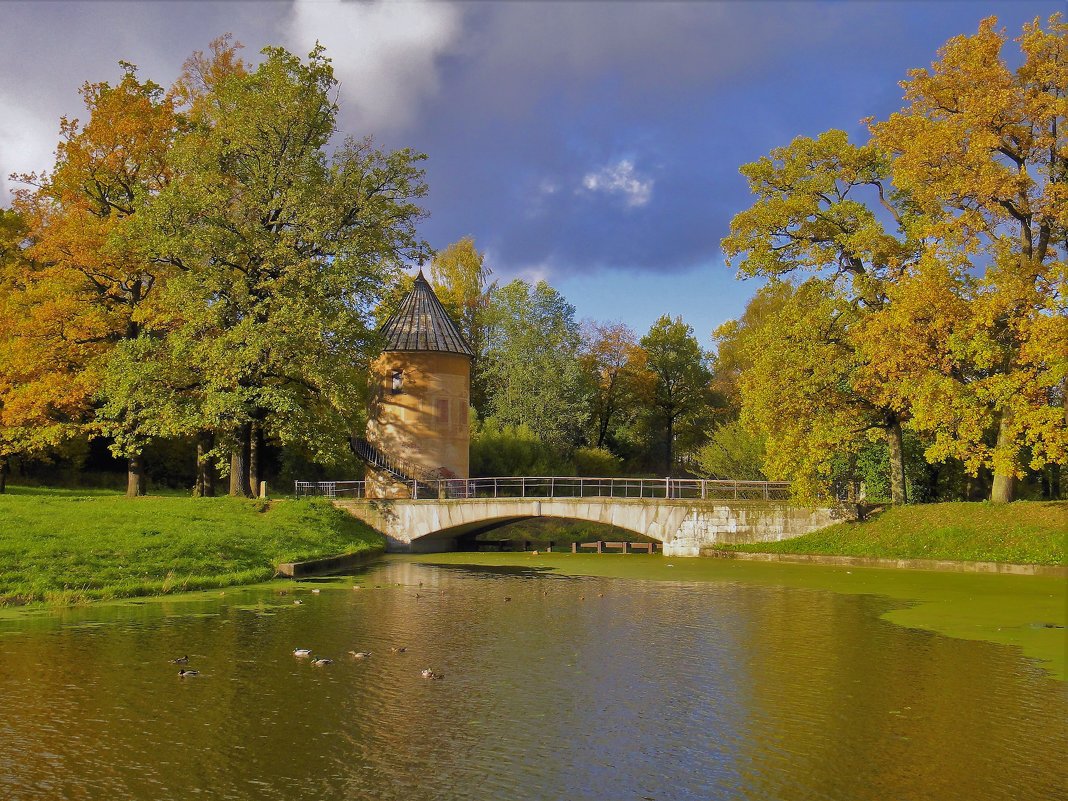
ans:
x=70 y=546
x=1025 y=532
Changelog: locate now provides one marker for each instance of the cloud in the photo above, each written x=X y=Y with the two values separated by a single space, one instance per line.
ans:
x=27 y=143
x=385 y=54
x=620 y=179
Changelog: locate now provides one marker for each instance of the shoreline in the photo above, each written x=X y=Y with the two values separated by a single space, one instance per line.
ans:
x=934 y=565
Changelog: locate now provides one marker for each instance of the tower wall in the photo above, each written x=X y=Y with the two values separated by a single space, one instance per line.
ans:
x=426 y=420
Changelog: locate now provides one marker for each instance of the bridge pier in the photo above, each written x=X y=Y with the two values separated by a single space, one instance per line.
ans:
x=685 y=527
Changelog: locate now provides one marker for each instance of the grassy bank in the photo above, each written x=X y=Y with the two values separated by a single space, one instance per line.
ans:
x=70 y=546
x=1026 y=532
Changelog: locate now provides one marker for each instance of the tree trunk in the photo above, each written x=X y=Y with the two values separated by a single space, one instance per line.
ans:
x=898 y=492
x=205 y=486
x=239 y=464
x=135 y=476
x=670 y=446
x=4 y=469
x=1004 y=479
x=1004 y=483
x=255 y=443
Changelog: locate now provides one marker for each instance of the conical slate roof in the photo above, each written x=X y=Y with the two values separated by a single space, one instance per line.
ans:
x=421 y=323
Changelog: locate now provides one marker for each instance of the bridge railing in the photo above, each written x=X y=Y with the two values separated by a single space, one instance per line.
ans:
x=565 y=487
x=330 y=489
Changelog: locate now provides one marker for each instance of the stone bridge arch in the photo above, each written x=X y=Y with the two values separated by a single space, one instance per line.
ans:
x=685 y=527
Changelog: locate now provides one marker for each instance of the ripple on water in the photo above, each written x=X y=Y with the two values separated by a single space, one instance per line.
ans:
x=577 y=688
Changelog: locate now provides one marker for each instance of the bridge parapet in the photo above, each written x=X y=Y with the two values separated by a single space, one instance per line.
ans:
x=686 y=527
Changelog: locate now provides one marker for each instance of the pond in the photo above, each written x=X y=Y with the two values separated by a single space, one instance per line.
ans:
x=555 y=686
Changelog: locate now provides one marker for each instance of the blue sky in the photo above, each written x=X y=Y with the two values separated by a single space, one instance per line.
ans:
x=596 y=145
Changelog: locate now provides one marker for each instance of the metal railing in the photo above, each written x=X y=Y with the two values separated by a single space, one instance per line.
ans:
x=404 y=470
x=330 y=489
x=566 y=487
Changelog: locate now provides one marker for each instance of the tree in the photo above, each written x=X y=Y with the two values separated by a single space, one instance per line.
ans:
x=532 y=374
x=732 y=452
x=983 y=150
x=797 y=386
x=459 y=275
x=678 y=387
x=815 y=212
x=280 y=253
x=89 y=285
x=610 y=357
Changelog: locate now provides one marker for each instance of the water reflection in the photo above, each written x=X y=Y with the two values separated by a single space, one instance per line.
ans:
x=574 y=688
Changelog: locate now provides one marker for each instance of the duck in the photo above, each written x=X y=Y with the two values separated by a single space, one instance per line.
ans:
x=360 y=654
x=302 y=652
x=316 y=591
x=507 y=598
x=430 y=674
x=298 y=602
x=183 y=673
x=322 y=661
x=397 y=649
x=181 y=660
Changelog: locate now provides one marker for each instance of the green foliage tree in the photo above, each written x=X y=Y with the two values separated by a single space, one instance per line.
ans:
x=677 y=388
x=281 y=251
x=732 y=453
x=532 y=374
x=513 y=450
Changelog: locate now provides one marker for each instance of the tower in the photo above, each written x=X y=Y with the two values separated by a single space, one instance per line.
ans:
x=417 y=426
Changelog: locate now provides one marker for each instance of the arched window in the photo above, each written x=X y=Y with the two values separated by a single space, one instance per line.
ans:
x=398 y=380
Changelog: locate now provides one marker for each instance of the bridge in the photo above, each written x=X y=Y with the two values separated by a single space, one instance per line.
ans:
x=689 y=516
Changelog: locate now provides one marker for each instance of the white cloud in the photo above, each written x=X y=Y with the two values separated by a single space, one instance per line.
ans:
x=27 y=143
x=620 y=179
x=384 y=52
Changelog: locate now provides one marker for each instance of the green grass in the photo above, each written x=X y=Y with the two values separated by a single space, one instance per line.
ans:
x=64 y=547
x=1025 y=532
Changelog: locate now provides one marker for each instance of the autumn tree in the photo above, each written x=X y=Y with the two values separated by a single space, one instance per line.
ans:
x=820 y=209
x=531 y=368
x=90 y=285
x=677 y=382
x=612 y=362
x=281 y=248
x=983 y=151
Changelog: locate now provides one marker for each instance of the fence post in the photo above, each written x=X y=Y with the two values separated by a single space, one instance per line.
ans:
x=667 y=488
x=765 y=490
x=704 y=490
x=415 y=490
x=523 y=486
x=552 y=486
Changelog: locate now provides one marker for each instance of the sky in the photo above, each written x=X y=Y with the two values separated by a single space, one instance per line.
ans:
x=592 y=144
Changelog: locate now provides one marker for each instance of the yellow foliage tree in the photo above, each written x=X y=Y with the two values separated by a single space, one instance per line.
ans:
x=976 y=340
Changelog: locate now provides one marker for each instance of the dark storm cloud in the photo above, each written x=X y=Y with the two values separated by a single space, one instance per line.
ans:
x=566 y=137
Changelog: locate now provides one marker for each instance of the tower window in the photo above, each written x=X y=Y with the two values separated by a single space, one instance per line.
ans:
x=398 y=380
x=443 y=411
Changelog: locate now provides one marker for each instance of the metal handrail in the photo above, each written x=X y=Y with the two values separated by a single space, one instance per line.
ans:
x=402 y=469
x=567 y=487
